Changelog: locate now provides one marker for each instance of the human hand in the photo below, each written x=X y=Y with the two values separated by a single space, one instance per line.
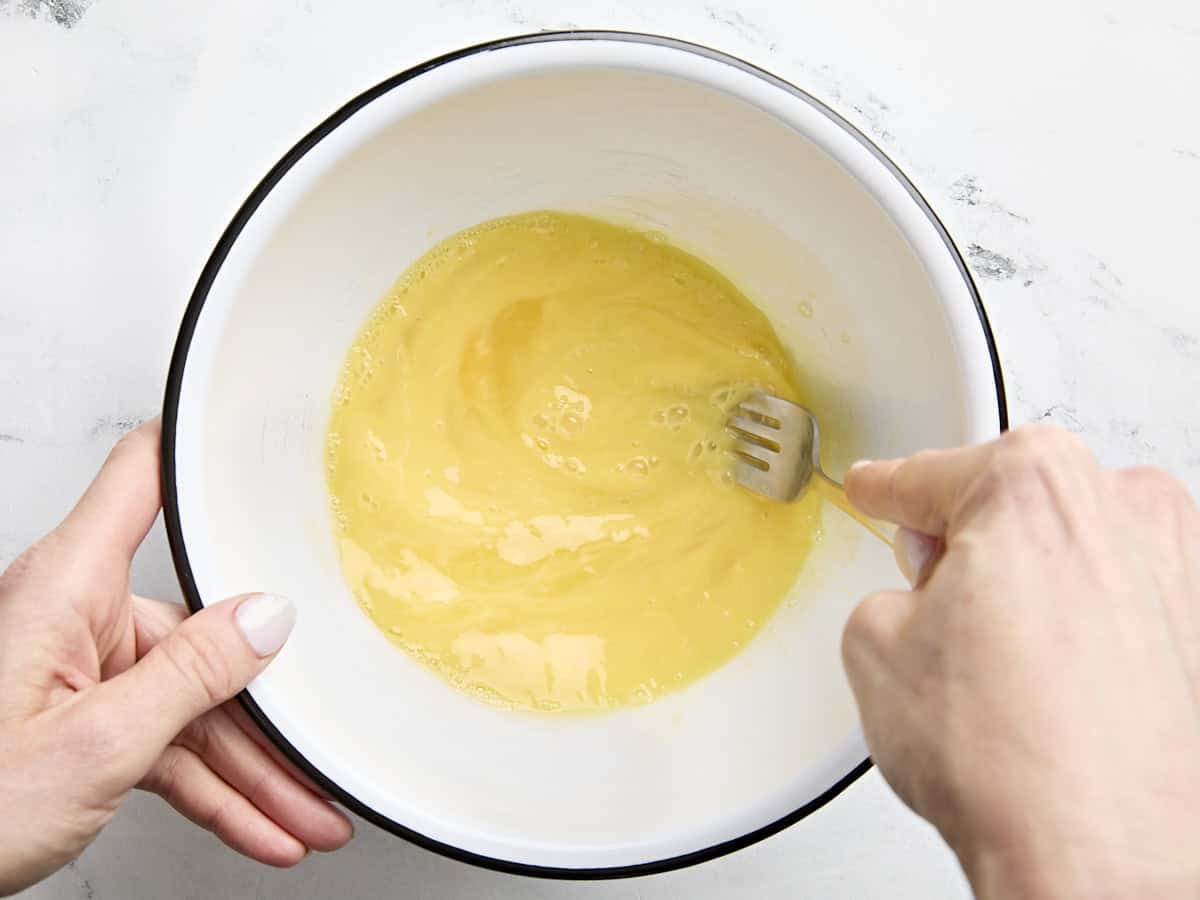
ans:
x=102 y=690
x=1035 y=695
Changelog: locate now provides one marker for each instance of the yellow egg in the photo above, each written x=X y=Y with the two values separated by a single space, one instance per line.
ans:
x=530 y=471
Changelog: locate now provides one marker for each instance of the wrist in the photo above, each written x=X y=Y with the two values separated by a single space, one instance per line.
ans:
x=1058 y=870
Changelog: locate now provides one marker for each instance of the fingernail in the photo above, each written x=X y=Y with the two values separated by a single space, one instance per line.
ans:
x=265 y=621
x=913 y=552
x=861 y=464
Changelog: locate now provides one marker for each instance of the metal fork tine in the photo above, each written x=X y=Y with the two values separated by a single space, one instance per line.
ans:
x=753 y=479
x=770 y=405
x=777 y=452
x=754 y=432
x=751 y=424
x=774 y=446
x=760 y=418
x=759 y=457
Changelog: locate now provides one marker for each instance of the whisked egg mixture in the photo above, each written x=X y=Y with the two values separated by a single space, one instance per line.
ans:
x=528 y=466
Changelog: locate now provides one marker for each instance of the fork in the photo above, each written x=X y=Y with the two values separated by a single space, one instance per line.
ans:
x=777 y=450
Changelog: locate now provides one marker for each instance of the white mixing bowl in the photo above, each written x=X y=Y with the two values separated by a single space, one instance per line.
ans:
x=799 y=209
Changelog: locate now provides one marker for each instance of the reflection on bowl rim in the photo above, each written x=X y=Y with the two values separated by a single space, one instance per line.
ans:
x=175 y=380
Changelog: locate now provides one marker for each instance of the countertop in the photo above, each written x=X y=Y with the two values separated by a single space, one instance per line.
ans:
x=1059 y=142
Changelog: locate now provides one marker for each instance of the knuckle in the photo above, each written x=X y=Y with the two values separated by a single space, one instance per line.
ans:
x=96 y=735
x=1148 y=488
x=1015 y=467
x=202 y=663
x=1154 y=482
x=1038 y=438
x=1046 y=442
x=907 y=488
x=1027 y=437
x=261 y=786
x=1031 y=457
x=1010 y=483
x=1003 y=478
x=864 y=627
x=218 y=818
x=198 y=737
x=164 y=779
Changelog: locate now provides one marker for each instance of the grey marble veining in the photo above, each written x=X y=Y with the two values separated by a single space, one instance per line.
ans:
x=1064 y=160
x=66 y=13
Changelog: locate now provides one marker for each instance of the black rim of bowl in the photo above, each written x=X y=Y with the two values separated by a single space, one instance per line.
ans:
x=171 y=411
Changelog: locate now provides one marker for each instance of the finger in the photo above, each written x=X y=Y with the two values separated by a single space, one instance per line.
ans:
x=246 y=767
x=871 y=636
x=871 y=655
x=916 y=554
x=153 y=620
x=198 y=666
x=1167 y=540
x=118 y=508
x=184 y=781
x=919 y=492
x=242 y=719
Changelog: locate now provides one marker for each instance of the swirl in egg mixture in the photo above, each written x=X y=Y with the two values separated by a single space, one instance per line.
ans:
x=529 y=471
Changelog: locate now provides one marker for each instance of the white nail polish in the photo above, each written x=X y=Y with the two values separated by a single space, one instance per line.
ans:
x=265 y=620
x=913 y=552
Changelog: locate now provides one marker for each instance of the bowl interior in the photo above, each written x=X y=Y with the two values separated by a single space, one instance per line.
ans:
x=796 y=210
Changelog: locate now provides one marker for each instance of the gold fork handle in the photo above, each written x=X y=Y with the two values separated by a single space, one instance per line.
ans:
x=836 y=494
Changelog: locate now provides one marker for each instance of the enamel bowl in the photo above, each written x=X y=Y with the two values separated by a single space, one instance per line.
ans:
x=799 y=209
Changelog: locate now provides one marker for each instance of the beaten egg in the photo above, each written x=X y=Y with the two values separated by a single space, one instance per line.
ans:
x=529 y=472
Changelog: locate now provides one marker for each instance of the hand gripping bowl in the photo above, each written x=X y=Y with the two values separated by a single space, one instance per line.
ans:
x=799 y=209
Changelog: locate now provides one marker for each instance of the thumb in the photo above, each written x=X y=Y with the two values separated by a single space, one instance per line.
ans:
x=921 y=492
x=208 y=659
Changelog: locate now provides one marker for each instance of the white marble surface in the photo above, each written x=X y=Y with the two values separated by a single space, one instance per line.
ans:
x=1059 y=141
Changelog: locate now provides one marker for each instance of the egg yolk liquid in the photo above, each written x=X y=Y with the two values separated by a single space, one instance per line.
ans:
x=528 y=465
